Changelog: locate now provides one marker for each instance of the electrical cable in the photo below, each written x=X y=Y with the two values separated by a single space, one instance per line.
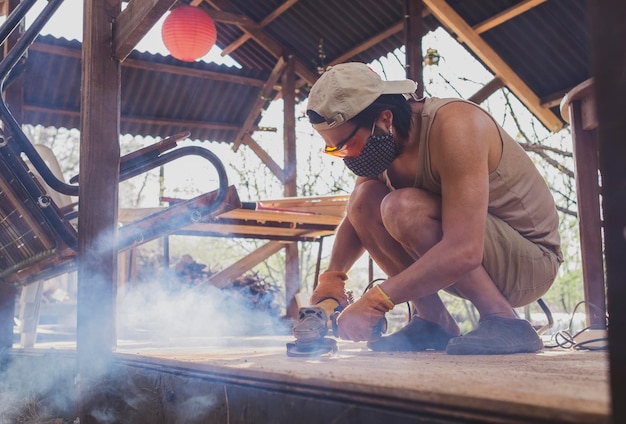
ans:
x=564 y=338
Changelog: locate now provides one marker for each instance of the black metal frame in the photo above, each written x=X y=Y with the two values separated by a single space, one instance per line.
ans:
x=14 y=143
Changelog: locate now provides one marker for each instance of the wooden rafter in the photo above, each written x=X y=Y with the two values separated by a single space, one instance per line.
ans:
x=156 y=67
x=457 y=25
x=506 y=15
x=134 y=22
x=394 y=29
x=260 y=101
x=265 y=158
x=369 y=43
x=149 y=121
x=486 y=91
x=224 y=277
x=255 y=31
x=268 y=19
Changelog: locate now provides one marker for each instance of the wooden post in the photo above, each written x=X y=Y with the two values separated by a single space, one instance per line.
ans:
x=15 y=100
x=98 y=193
x=608 y=32
x=292 y=265
x=413 y=29
x=7 y=312
x=585 y=148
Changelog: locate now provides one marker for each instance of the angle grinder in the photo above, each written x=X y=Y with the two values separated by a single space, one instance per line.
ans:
x=311 y=329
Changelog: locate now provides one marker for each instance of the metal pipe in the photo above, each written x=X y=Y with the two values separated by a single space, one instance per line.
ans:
x=14 y=18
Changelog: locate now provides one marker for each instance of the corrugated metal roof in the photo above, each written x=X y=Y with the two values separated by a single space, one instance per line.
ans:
x=546 y=46
x=155 y=101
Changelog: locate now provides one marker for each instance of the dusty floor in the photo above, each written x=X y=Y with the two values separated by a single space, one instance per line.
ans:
x=559 y=384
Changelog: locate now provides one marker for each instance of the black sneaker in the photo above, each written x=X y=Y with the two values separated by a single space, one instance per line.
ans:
x=416 y=336
x=497 y=336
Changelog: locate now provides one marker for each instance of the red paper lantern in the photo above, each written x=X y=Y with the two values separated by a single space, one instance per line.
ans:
x=188 y=33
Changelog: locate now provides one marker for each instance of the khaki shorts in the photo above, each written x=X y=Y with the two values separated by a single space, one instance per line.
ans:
x=521 y=269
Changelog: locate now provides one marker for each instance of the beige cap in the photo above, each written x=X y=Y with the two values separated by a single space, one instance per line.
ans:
x=344 y=90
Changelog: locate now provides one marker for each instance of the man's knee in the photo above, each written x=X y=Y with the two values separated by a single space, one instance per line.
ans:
x=364 y=203
x=406 y=210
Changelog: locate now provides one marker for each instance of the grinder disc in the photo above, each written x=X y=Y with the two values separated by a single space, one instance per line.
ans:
x=311 y=348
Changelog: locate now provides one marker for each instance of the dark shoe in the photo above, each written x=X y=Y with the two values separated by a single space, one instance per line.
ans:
x=416 y=336
x=497 y=336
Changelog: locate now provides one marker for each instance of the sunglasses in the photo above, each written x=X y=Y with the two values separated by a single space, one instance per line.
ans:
x=351 y=146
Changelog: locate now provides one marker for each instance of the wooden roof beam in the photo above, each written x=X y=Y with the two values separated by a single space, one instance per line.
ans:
x=134 y=22
x=192 y=72
x=486 y=91
x=265 y=158
x=506 y=15
x=260 y=102
x=394 y=29
x=191 y=125
x=156 y=67
x=254 y=30
x=369 y=43
x=455 y=24
x=268 y=19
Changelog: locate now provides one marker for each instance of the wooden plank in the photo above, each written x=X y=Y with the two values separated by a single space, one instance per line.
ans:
x=259 y=217
x=506 y=15
x=224 y=277
x=254 y=231
x=455 y=23
x=134 y=22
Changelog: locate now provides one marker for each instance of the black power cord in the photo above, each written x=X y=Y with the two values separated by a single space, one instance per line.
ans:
x=565 y=339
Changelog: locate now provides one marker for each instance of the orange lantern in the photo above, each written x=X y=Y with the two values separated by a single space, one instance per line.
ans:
x=188 y=33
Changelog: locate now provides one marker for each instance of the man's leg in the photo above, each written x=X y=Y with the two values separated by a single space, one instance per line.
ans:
x=364 y=213
x=499 y=330
x=419 y=230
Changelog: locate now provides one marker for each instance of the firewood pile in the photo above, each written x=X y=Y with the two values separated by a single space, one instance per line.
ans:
x=249 y=289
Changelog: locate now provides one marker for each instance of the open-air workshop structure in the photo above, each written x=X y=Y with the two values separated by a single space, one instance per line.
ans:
x=563 y=59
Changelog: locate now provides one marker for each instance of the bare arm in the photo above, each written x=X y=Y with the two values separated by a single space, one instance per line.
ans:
x=347 y=248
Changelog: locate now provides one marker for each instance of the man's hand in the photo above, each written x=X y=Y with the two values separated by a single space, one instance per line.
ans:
x=332 y=284
x=359 y=320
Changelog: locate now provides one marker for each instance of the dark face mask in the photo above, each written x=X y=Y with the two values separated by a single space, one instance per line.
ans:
x=376 y=156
